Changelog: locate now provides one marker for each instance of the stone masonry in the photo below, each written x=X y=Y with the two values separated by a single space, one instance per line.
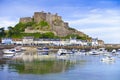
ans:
x=57 y=25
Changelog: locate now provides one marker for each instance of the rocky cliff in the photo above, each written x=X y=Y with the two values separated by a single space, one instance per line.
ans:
x=49 y=22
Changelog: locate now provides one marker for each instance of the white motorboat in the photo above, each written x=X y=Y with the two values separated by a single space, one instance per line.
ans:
x=108 y=59
x=114 y=51
x=43 y=51
x=93 y=52
x=62 y=52
x=118 y=52
x=13 y=50
x=102 y=51
x=8 y=55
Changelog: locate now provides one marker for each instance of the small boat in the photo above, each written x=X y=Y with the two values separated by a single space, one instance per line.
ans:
x=108 y=59
x=13 y=50
x=10 y=55
x=93 y=52
x=118 y=51
x=43 y=51
x=10 y=51
x=62 y=52
x=114 y=51
x=102 y=51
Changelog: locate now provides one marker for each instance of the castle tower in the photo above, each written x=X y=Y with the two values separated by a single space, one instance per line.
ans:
x=39 y=16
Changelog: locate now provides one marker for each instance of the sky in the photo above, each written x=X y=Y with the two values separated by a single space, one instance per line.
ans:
x=96 y=18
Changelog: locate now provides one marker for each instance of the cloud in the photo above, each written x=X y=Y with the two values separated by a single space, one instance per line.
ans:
x=97 y=16
x=101 y=23
x=5 y=22
x=108 y=34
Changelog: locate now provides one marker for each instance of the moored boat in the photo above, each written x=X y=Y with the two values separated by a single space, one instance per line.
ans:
x=62 y=52
x=13 y=50
x=93 y=52
x=8 y=55
x=43 y=51
x=108 y=59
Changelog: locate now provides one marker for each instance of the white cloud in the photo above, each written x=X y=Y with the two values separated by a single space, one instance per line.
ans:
x=104 y=24
x=99 y=17
x=5 y=22
x=109 y=35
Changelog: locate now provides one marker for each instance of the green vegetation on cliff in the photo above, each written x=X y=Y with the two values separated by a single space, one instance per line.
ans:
x=18 y=31
x=76 y=36
x=42 y=25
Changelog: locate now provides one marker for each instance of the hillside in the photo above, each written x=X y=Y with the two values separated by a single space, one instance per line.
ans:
x=42 y=23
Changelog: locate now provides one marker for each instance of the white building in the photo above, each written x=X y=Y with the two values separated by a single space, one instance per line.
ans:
x=56 y=42
x=95 y=42
x=7 y=41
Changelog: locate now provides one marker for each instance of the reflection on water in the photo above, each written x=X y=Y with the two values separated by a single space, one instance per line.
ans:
x=37 y=66
x=78 y=67
x=42 y=67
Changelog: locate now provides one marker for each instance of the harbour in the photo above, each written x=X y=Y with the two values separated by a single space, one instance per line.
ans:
x=59 y=40
x=82 y=67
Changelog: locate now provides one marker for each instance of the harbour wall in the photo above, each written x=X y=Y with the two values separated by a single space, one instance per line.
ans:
x=109 y=47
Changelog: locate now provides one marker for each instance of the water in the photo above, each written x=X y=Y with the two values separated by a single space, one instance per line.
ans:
x=79 y=68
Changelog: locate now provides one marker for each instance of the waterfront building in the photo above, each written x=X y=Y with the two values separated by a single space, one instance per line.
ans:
x=28 y=40
x=100 y=42
x=31 y=41
x=6 y=41
x=17 y=41
x=94 y=41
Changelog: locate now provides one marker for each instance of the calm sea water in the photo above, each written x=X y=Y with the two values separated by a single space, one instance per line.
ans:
x=79 y=68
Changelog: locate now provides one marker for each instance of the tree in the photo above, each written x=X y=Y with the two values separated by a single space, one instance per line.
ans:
x=2 y=32
x=48 y=35
x=10 y=31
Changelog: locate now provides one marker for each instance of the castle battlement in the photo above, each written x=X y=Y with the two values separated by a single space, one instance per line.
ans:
x=25 y=19
x=42 y=16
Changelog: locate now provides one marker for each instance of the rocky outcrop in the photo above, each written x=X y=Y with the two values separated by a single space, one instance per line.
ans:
x=57 y=25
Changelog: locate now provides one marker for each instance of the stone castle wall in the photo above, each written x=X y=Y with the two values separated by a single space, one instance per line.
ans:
x=39 y=16
x=25 y=19
x=42 y=16
x=55 y=22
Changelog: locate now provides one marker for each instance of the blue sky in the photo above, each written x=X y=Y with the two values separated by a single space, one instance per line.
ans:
x=97 y=18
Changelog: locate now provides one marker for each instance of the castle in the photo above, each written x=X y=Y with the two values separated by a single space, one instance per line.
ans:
x=57 y=25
